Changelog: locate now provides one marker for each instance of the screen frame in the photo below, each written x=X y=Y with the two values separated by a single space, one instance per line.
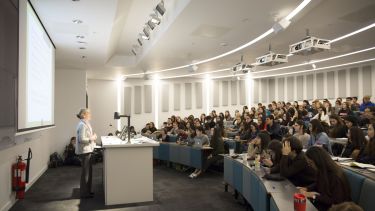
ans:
x=37 y=128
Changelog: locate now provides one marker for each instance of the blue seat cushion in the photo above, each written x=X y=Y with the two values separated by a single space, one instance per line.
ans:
x=367 y=198
x=355 y=181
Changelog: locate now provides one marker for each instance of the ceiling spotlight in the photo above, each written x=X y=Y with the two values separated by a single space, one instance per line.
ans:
x=82 y=48
x=83 y=57
x=151 y=24
x=139 y=41
x=155 y=19
x=144 y=36
x=80 y=37
x=160 y=8
x=146 y=31
x=81 y=42
x=77 y=21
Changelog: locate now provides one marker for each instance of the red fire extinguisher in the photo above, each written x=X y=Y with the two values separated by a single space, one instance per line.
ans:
x=20 y=175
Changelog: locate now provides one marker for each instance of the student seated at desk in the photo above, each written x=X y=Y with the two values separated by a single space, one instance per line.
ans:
x=163 y=137
x=217 y=145
x=337 y=128
x=258 y=145
x=318 y=136
x=367 y=153
x=300 y=133
x=146 y=130
x=331 y=186
x=356 y=141
x=275 y=152
x=273 y=127
x=200 y=138
x=293 y=163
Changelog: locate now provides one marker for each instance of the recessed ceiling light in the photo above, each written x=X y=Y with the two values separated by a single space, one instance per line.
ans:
x=223 y=44
x=82 y=48
x=83 y=57
x=80 y=37
x=81 y=42
x=77 y=21
x=75 y=0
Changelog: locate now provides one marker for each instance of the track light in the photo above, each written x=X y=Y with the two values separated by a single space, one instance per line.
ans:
x=160 y=8
x=155 y=19
x=146 y=31
x=151 y=24
x=144 y=36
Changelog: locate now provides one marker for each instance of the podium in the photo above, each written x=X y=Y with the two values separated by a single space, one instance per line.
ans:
x=128 y=170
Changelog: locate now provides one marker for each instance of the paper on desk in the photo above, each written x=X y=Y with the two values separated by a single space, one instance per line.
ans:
x=360 y=165
x=339 y=159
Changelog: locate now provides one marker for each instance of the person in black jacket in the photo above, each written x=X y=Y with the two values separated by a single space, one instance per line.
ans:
x=332 y=186
x=273 y=128
x=293 y=163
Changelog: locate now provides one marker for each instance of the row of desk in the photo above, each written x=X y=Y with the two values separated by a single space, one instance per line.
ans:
x=260 y=193
x=182 y=154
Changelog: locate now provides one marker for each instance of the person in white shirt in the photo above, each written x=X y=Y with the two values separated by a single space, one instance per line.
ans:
x=322 y=115
x=85 y=146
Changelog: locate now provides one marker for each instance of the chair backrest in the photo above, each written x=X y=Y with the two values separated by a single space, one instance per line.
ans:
x=355 y=181
x=366 y=199
x=172 y=138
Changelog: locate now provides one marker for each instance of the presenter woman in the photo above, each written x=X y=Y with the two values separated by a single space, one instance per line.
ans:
x=85 y=146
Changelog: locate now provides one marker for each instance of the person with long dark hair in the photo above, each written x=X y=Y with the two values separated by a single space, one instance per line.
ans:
x=275 y=152
x=337 y=128
x=356 y=141
x=293 y=163
x=331 y=185
x=367 y=154
x=258 y=146
x=318 y=136
x=300 y=133
x=217 y=145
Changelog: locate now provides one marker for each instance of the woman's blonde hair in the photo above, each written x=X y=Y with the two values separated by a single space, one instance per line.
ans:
x=82 y=112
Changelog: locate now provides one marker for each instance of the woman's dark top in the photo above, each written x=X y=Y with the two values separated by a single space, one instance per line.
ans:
x=338 y=131
x=365 y=158
x=349 y=150
x=217 y=146
x=340 y=193
x=297 y=170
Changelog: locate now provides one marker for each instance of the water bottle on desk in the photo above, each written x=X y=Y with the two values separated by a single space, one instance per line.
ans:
x=257 y=163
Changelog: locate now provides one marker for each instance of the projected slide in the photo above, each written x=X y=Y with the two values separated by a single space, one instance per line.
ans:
x=36 y=72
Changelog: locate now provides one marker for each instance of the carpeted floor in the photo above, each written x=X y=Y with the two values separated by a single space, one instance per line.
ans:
x=58 y=189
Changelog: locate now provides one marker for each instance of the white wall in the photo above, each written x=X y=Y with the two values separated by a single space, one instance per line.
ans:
x=70 y=96
x=70 y=86
x=351 y=86
x=103 y=102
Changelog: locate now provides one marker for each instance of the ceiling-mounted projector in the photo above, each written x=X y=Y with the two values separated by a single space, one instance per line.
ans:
x=242 y=67
x=271 y=59
x=309 y=45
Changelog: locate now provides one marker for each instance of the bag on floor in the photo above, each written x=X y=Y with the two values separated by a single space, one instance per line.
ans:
x=55 y=160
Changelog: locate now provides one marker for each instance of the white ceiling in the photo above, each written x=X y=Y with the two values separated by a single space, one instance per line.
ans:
x=194 y=30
